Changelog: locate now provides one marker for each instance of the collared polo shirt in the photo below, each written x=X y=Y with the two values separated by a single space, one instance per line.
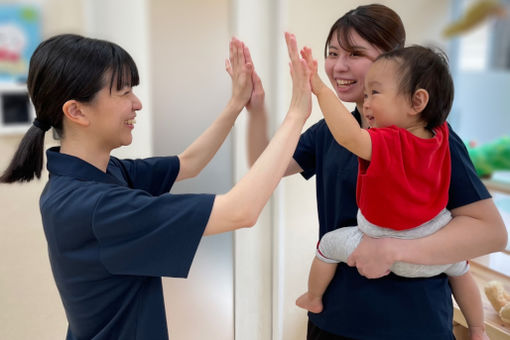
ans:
x=111 y=236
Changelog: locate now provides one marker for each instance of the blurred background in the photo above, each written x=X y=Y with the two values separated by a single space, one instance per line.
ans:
x=243 y=284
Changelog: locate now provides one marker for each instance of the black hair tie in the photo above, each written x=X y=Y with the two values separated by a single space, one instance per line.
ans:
x=41 y=125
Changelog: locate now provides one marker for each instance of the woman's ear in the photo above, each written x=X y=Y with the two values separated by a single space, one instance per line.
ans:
x=420 y=100
x=73 y=111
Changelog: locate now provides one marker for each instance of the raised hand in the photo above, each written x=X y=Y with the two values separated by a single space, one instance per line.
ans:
x=315 y=81
x=240 y=69
x=256 y=103
x=300 y=72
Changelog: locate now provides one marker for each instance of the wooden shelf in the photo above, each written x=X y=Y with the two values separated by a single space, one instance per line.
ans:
x=497 y=185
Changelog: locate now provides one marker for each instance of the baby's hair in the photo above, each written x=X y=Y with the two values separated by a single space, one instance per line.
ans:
x=425 y=68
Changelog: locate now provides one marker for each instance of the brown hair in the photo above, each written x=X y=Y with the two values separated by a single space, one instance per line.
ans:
x=377 y=24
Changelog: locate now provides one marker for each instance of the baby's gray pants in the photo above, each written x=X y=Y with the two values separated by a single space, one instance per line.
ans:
x=337 y=245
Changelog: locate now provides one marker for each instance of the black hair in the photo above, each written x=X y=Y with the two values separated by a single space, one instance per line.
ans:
x=425 y=68
x=62 y=68
x=377 y=24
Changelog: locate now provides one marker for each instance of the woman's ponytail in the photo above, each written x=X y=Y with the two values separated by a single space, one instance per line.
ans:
x=28 y=160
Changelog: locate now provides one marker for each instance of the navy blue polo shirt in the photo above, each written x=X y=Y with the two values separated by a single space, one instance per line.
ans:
x=111 y=236
x=391 y=307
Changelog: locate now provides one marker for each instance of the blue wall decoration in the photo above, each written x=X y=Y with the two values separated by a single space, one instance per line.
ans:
x=19 y=36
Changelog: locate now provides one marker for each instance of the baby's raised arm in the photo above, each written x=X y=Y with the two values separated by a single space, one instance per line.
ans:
x=342 y=124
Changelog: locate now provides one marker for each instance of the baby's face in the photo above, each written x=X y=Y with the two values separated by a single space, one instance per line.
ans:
x=384 y=104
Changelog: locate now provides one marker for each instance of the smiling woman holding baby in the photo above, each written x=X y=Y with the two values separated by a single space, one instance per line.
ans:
x=363 y=301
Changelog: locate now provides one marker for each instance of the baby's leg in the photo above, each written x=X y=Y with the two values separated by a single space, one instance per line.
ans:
x=321 y=275
x=334 y=247
x=467 y=295
x=337 y=245
x=418 y=270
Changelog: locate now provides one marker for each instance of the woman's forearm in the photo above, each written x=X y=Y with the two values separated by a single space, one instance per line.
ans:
x=196 y=156
x=476 y=229
x=242 y=205
x=257 y=138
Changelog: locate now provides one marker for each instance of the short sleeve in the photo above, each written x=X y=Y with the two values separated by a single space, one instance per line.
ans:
x=140 y=234
x=156 y=175
x=305 y=154
x=465 y=186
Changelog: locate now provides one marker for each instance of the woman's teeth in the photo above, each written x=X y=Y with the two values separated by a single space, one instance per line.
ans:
x=131 y=121
x=342 y=82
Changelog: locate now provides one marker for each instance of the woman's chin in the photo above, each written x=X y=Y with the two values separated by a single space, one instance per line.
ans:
x=348 y=95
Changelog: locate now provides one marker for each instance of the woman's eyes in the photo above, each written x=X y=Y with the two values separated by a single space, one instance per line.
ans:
x=353 y=53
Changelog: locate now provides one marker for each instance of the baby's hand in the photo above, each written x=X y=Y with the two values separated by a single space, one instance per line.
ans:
x=315 y=81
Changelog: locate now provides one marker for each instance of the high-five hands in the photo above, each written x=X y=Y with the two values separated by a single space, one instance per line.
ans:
x=315 y=81
x=240 y=68
x=300 y=73
x=256 y=102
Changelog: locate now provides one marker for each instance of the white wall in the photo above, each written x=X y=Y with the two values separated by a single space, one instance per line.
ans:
x=188 y=44
x=125 y=23
x=257 y=289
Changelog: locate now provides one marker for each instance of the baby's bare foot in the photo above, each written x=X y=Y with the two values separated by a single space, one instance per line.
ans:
x=312 y=304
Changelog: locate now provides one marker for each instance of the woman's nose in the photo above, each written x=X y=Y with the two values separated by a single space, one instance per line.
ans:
x=137 y=104
x=341 y=64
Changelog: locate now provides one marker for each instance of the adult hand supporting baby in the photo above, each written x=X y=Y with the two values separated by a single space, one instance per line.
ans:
x=373 y=257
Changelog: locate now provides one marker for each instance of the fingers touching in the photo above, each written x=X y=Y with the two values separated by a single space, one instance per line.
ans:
x=240 y=68
x=306 y=53
x=298 y=66
x=239 y=57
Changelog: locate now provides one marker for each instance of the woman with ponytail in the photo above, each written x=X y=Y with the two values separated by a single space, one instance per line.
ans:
x=112 y=227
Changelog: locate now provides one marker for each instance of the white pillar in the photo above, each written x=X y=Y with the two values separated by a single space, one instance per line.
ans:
x=258 y=256
x=125 y=23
